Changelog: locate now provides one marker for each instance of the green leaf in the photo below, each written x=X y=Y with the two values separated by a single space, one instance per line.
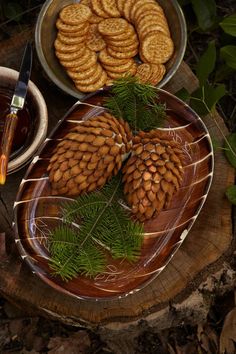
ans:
x=229 y=25
x=197 y=102
x=205 y=11
x=231 y=194
x=223 y=72
x=214 y=94
x=228 y=53
x=13 y=11
x=183 y=94
x=206 y=63
x=204 y=99
x=228 y=152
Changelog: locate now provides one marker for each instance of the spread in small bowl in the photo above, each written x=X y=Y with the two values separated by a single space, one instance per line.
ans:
x=32 y=119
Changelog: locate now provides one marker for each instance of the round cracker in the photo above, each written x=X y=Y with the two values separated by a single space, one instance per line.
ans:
x=131 y=71
x=94 y=19
x=96 y=45
x=132 y=38
x=94 y=40
x=144 y=72
x=151 y=18
x=93 y=30
x=124 y=36
x=93 y=87
x=75 y=65
x=98 y=9
x=113 y=26
x=80 y=33
x=158 y=71
x=61 y=26
x=92 y=79
x=156 y=48
x=137 y=5
x=107 y=59
x=147 y=7
x=110 y=7
x=120 y=5
x=87 y=57
x=124 y=43
x=86 y=2
x=70 y=40
x=146 y=13
x=148 y=18
x=82 y=74
x=153 y=27
x=127 y=8
x=71 y=56
x=84 y=57
x=74 y=14
x=109 y=82
x=130 y=48
x=64 y=48
x=119 y=68
x=122 y=55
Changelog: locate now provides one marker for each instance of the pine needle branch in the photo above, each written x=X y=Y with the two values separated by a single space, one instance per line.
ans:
x=105 y=227
x=136 y=103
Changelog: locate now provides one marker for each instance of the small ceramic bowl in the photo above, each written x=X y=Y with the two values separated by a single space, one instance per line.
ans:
x=32 y=120
x=45 y=35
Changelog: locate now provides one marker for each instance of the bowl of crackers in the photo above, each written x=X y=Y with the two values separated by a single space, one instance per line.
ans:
x=85 y=45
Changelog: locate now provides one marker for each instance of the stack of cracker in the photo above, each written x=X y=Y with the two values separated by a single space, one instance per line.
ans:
x=94 y=40
x=122 y=45
x=78 y=59
x=98 y=41
x=156 y=45
x=152 y=73
x=105 y=8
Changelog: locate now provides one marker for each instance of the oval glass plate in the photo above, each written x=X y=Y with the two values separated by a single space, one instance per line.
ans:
x=37 y=212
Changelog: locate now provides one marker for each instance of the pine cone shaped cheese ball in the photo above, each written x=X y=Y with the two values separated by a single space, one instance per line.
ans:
x=152 y=174
x=89 y=155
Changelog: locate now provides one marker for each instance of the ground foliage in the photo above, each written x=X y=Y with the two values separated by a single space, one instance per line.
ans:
x=211 y=53
x=21 y=333
x=213 y=68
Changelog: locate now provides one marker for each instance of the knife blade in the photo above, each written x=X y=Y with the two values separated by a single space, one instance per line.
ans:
x=17 y=103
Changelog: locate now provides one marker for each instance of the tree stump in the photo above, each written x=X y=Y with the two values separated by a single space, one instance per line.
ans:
x=177 y=294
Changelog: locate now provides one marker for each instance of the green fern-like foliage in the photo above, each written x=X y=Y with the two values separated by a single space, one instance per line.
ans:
x=136 y=103
x=68 y=258
x=105 y=226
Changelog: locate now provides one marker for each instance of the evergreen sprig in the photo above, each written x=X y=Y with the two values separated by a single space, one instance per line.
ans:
x=136 y=103
x=105 y=226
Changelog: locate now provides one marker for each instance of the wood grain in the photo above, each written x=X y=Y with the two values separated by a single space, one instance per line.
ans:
x=207 y=243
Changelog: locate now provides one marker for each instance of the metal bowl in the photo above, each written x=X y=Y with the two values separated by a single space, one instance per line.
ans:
x=39 y=118
x=45 y=34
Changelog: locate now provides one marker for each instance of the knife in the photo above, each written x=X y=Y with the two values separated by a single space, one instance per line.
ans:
x=17 y=103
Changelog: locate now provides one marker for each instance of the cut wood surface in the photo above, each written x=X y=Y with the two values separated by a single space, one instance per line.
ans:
x=202 y=254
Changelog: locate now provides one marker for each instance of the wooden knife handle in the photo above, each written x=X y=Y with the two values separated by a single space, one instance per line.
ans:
x=6 y=144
